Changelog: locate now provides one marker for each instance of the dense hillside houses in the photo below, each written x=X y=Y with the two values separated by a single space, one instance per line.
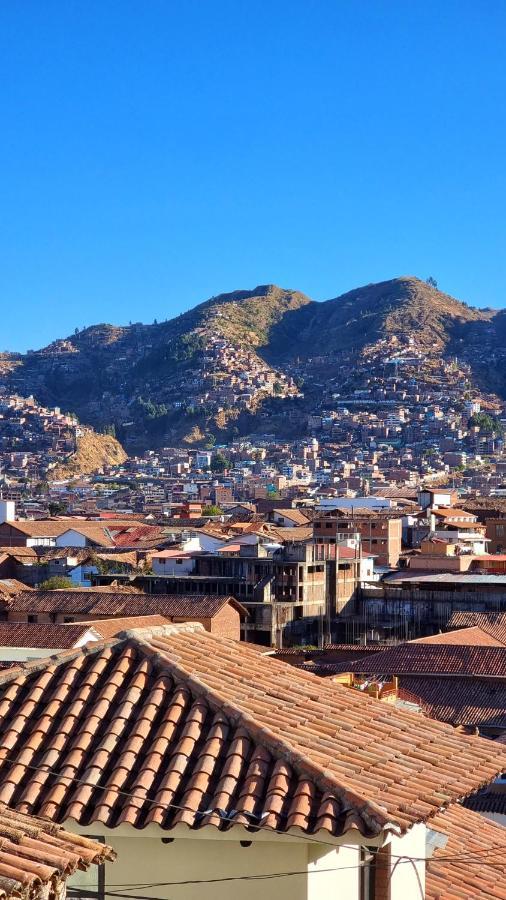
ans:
x=273 y=647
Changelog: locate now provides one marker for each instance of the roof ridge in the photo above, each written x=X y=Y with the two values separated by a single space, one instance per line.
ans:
x=374 y=816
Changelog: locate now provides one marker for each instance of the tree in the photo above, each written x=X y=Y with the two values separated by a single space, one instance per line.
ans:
x=432 y=282
x=487 y=424
x=219 y=463
x=212 y=510
x=277 y=387
x=56 y=583
x=57 y=508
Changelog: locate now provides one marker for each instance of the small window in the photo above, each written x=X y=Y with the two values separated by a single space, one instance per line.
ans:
x=31 y=618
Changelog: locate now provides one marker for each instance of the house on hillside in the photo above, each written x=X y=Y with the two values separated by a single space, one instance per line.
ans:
x=216 y=771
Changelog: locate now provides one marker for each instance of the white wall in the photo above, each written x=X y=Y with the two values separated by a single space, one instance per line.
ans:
x=342 y=884
x=354 y=502
x=407 y=877
x=71 y=538
x=146 y=860
x=171 y=566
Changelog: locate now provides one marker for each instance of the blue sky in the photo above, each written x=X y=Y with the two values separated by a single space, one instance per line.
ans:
x=154 y=154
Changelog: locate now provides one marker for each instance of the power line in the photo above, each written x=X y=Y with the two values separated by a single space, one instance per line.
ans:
x=401 y=860
x=223 y=817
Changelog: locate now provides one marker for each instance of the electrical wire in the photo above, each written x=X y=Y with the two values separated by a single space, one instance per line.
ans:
x=401 y=860
x=256 y=826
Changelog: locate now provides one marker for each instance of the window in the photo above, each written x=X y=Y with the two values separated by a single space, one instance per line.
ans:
x=89 y=884
x=31 y=618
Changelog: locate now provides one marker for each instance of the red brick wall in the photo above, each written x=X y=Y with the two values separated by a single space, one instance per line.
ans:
x=227 y=623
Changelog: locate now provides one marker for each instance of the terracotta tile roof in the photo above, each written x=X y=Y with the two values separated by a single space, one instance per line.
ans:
x=136 y=536
x=444 y=659
x=177 y=716
x=53 y=528
x=10 y=586
x=108 y=628
x=294 y=515
x=480 y=872
x=40 y=527
x=459 y=701
x=286 y=535
x=19 y=552
x=51 y=637
x=34 y=854
x=493 y=624
x=474 y=636
x=89 y=603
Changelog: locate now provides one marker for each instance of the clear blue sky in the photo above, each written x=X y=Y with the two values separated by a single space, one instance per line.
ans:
x=153 y=154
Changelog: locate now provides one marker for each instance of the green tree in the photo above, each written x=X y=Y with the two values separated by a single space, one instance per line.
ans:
x=57 y=508
x=219 y=463
x=56 y=583
x=212 y=510
x=485 y=423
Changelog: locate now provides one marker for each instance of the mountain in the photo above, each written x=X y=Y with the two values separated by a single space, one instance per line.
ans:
x=406 y=307
x=236 y=363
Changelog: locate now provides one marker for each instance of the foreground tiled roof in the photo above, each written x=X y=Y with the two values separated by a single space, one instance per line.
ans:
x=107 y=603
x=35 y=853
x=444 y=659
x=460 y=701
x=121 y=731
x=471 y=866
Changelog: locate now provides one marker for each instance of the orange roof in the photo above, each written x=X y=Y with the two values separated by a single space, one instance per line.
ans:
x=37 y=856
x=471 y=637
x=244 y=739
x=451 y=512
x=471 y=866
x=108 y=628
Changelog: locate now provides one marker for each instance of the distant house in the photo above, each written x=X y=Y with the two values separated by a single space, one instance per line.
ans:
x=218 y=615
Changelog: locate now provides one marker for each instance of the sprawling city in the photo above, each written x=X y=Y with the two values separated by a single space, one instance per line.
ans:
x=252 y=536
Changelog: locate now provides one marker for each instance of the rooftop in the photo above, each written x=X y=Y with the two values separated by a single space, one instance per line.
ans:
x=433 y=659
x=206 y=731
x=35 y=853
x=107 y=603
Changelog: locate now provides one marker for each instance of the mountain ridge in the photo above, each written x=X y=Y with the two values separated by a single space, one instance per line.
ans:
x=233 y=359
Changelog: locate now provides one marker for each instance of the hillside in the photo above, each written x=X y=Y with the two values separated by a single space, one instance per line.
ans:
x=404 y=307
x=236 y=363
x=94 y=451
